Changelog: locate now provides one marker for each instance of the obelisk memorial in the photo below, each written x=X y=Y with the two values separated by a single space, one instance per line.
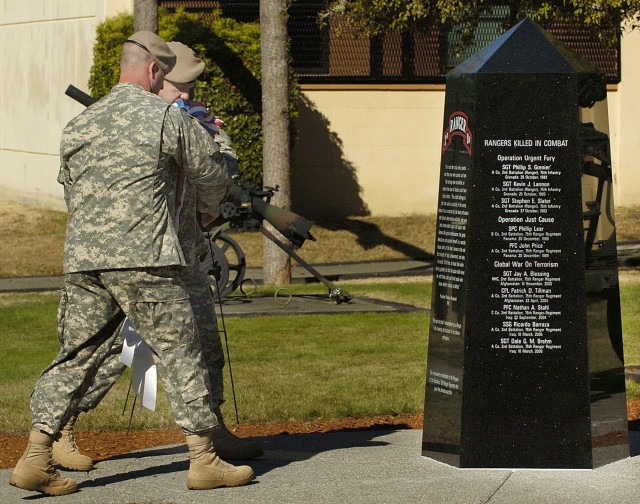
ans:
x=525 y=360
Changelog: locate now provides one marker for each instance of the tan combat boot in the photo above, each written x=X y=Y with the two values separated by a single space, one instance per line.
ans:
x=34 y=471
x=230 y=447
x=66 y=453
x=207 y=470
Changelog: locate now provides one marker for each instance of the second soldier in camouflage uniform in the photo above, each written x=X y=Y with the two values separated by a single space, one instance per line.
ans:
x=119 y=162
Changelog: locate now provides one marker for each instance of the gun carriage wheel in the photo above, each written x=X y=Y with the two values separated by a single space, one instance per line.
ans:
x=227 y=269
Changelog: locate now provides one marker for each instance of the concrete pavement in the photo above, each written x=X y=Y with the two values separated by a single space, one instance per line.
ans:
x=349 y=467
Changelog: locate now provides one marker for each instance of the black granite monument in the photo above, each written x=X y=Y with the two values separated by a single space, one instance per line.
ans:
x=525 y=363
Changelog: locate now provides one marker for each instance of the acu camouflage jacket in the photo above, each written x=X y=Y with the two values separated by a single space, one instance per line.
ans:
x=119 y=180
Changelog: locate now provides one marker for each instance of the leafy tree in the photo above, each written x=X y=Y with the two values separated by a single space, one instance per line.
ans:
x=374 y=17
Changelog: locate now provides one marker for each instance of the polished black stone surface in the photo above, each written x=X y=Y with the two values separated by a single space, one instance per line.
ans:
x=525 y=362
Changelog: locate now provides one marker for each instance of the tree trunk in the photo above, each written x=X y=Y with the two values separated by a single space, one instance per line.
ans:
x=275 y=127
x=145 y=15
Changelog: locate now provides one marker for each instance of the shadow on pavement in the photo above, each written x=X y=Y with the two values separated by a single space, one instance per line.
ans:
x=280 y=451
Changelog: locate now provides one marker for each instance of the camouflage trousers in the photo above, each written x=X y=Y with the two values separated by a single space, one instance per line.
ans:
x=91 y=310
x=202 y=304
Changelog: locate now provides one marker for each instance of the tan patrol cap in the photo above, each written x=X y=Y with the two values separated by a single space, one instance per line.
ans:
x=158 y=48
x=188 y=66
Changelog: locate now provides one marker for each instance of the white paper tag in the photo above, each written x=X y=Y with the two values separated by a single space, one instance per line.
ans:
x=137 y=355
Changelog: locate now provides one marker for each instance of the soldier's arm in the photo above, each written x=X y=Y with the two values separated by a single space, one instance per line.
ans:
x=203 y=164
x=229 y=153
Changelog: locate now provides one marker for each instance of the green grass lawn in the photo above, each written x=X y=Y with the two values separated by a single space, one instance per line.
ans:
x=301 y=367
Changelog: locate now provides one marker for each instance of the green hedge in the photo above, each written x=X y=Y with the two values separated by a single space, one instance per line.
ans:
x=230 y=84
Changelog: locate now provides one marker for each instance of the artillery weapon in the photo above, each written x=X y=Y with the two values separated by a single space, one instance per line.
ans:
x=245 y=210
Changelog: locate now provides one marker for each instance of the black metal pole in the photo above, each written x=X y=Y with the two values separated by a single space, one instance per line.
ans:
x=224 y=331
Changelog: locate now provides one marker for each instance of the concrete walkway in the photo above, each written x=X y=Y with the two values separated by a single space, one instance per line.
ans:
x=351 y=467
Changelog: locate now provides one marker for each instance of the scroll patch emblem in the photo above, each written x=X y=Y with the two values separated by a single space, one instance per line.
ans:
x=458 y=127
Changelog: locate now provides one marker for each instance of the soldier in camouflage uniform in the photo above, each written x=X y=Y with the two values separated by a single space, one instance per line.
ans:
x=178 y=85
x=119 y=161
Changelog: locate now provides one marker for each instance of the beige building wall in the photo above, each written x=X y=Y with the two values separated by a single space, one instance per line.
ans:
x=47 y=45
x=368 y=151
x=624 y=121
